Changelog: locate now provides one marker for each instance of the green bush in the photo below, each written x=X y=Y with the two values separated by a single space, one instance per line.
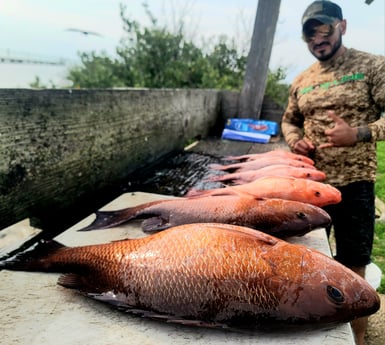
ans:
x=154 y=57
x=380 y=185
x=379 y=239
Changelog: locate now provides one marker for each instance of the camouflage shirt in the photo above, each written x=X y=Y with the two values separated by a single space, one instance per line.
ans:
x=353 y=85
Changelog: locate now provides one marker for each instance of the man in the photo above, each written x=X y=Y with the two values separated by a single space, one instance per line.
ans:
x=334 y=116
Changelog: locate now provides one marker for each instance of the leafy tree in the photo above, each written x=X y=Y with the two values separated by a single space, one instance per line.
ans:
x=159 y=59
x=225 y=67
x=96 y=71
x=275 y=89
x=154 y=57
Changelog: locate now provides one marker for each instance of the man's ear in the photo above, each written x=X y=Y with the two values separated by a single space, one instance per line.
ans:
x=343 y=26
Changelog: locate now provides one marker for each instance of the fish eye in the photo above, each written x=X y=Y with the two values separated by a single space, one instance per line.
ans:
x=317 y=194
x=301 y=215
x=335 y=294
x=308 y=174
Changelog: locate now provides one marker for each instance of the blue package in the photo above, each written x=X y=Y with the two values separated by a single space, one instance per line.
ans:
x=253 y=126
x=245 y=136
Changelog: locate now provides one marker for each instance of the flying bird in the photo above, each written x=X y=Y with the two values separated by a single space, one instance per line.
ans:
x=84 y=32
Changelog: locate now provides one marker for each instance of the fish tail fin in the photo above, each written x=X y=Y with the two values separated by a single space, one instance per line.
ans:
x=32 y=259
x=109 y=219
x=231 y=158
x=217 y=178
x=236 y=158
x=217 y=167
x=193 y=193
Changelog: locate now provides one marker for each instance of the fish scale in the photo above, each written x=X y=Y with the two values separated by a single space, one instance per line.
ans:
x=224 y=264
x=281 y=187
x=227 y=266
x=212 y=274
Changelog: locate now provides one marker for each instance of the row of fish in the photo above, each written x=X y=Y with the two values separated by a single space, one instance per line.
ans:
x=270 y=170
x=279 y=205
x=273 y=163
x=210 y=265
x=271 y=154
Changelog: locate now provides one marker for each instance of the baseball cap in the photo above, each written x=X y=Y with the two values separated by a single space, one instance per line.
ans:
x=324 y=11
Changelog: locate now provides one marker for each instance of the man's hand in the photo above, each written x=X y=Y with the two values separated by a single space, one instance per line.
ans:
x=341 y=134
x=303 y=147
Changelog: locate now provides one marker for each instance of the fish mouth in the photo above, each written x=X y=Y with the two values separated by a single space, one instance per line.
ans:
x=317 y=221
x=290 y=228
x=370 y=300
x=363 y=301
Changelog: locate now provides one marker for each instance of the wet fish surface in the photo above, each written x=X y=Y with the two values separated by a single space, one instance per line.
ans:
x=282 y=187
x=279 y=217
x=270 y=170
x=260 y=163
x=210 y=275
x=269 y=154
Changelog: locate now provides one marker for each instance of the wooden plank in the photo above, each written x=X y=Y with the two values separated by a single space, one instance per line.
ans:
x=35 y=310
x=257 y=67
x=14 y=236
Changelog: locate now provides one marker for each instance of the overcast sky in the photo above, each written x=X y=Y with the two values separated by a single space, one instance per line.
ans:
x=38 y=28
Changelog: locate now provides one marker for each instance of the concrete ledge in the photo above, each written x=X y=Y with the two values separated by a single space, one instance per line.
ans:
x=60 y=146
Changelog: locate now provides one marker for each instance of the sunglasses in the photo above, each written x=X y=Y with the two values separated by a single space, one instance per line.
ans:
x=325 y=31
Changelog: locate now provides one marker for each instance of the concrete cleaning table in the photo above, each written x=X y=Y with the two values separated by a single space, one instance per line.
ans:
x=36 y=311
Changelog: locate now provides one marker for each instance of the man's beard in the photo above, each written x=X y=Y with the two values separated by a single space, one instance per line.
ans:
x=326 y=57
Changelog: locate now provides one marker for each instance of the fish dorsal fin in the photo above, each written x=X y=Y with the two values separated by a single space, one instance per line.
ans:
x=255 y=234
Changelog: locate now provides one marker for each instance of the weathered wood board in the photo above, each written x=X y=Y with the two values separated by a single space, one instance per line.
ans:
x=61 y=147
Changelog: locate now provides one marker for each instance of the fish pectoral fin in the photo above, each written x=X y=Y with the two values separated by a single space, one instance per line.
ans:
x=115 y=299
x=174 y=319
x=198 y=323
x=71 y=281
x=119 y=301
x=154 y=224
